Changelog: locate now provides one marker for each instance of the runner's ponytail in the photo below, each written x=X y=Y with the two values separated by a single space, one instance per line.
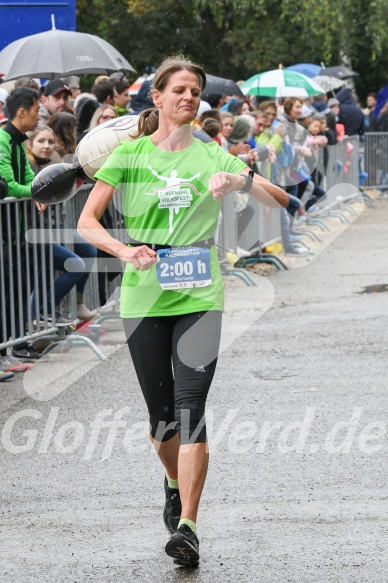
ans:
x=148 y=122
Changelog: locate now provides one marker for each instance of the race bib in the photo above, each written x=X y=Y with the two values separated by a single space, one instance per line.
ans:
x=182 y=267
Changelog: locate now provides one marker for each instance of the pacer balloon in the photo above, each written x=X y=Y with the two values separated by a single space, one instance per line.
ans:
x=99 y=143
x=55 y=183
x=59 y=182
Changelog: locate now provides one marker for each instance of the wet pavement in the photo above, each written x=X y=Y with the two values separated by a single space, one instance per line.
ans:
x=297 y=484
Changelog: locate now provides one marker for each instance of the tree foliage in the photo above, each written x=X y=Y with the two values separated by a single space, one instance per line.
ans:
x=238 y=38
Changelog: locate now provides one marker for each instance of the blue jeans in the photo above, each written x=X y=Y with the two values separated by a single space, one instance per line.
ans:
x=287 y=221
x=75 y=266
x=317 y=195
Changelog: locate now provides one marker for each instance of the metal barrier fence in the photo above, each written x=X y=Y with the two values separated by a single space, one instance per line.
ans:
x=342 y=164
x=256 y=223
x=100 y=287
x=26 y=267
x=27 y=274
x=376 y=160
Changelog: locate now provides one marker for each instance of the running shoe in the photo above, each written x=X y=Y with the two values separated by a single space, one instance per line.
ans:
x=6 y=376
x=296 y=252
x=183 y=547
x=172 y=508
x=27 y=354
x=12 y=364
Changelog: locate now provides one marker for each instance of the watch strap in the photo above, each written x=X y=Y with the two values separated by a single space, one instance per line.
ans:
x=248 y=181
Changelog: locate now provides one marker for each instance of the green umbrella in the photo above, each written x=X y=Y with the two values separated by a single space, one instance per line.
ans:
x=281 y=83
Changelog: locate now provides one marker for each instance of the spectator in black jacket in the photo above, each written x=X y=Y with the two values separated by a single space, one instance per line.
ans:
x=350 y=114
x=23 y=112
x=143 y=99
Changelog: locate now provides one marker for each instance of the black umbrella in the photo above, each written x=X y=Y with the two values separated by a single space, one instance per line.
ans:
x=338 y=71
x=220 y=86
x=58 y=53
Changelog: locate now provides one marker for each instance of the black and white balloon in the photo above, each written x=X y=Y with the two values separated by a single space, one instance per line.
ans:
x=99 y=143
x=59 y=182
x=55 y=183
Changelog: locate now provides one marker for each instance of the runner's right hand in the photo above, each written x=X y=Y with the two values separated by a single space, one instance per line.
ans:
x=142 y=258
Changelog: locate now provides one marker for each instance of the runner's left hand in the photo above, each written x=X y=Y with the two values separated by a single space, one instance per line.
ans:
x=40 y=207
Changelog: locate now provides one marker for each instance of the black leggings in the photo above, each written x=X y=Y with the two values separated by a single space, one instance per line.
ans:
x=175 y=358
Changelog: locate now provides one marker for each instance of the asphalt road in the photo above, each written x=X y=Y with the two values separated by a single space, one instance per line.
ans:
x=297 y=485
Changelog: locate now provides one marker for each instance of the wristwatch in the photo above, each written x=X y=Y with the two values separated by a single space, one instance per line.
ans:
x=248 y=181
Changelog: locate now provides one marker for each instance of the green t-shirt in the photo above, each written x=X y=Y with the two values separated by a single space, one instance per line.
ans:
x=165 y=200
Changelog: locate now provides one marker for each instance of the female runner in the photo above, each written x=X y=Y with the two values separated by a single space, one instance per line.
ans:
x=172 y=290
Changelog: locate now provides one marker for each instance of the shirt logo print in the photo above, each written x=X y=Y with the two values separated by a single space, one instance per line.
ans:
x=176 y=194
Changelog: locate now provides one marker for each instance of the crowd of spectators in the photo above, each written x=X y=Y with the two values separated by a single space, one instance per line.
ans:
x=282 y=140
